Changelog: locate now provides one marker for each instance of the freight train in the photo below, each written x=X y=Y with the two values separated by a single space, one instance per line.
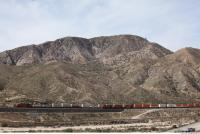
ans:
x=107 y=106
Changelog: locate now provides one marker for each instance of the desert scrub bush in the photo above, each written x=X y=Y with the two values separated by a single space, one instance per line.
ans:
x=32 y=131
x=131 y=129
x=68 y=130
x=4 y=125
x=174 y=126
x=102 y=130
x=154 y=129
x=2 y=85
x=89 y=130
x=106 y=130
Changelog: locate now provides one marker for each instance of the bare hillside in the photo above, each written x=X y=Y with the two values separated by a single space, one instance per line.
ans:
x=108 y=69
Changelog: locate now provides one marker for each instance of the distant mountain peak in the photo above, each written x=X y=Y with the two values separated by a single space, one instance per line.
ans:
x=188 y=55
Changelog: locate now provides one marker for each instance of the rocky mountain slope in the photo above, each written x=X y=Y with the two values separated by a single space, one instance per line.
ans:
x=111 y=69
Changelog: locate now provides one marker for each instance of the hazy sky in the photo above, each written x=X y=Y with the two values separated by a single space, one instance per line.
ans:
x=172 y=23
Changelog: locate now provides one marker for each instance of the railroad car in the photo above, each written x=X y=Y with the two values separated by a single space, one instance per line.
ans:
x=118 y=106
x=171 y=105
x=197 y=105
x=138 y=106
x=129 y=106
x=76 y=106
x=42 y=105
x=107 y=106
x=146 y=105
x=184 y=105
x=154 y=105
x=23 y=105
x=110 y=106
x=162 y=105
x=191 y=105
x=179 y=105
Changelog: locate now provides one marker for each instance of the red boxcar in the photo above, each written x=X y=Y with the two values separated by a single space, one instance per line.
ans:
x=154 y=105
x=185 y=105
x=23 y=105
x=179 y=105
x=146 y=105
x=197 y=105
x=191 y=105
x=117 y=106
x=138 y=106
x=107 y=106
x=128 y=106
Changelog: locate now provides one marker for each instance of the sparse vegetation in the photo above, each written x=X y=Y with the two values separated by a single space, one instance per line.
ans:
x=174 y=126
x=2 y=85
x=131 y=129
x=68 y=130
x=33 y=131
x=4 y=125
x=154 y=129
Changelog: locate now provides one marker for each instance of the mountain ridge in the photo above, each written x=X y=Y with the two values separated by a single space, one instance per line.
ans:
x=73 y=48
x=108 y=69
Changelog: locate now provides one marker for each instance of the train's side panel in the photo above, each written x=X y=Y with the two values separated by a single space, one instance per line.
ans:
x=185 y=105
x=171 y=105
x=154 y=105
x=138 y=106
x=197 y=105
x=118 y=106
x=146 y=105
x=191 y=105
x=179 y=105
x=23 y=105
x=128 y=106
x=162 y=105
x=107 y=106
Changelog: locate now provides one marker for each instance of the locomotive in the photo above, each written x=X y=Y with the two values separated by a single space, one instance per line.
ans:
x=23 y=105
x=107 y=106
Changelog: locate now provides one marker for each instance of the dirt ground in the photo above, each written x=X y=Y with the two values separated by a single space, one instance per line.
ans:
x=127 y=121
